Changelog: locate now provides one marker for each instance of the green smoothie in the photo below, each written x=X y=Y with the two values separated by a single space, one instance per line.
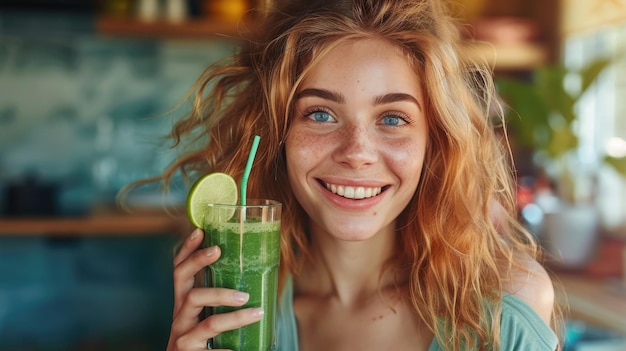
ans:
x=249 y=263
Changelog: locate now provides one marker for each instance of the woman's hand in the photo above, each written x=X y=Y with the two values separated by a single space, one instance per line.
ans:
x=188 y=331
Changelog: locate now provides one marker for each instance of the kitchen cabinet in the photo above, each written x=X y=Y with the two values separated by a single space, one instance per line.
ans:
x=96 y=293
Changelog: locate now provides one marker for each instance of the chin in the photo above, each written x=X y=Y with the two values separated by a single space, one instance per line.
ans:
x=353 y=237
x=360 y=232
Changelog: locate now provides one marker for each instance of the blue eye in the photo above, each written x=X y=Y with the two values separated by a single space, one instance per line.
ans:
x=321 y=116
x=392 y=120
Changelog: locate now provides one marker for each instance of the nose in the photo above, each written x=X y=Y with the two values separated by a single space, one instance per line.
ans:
x=356 y=147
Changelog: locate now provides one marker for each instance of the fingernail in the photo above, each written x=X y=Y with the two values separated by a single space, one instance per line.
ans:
x=194 y=234
x=241 y=296
x=257 y=312
x=211 y=251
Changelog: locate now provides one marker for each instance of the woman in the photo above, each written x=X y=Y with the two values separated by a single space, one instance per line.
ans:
x=378 y=141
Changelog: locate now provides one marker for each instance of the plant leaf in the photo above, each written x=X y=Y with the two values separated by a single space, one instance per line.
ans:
x=562 y=140
x=590 y=72
x=618 y=164
x=526 y=111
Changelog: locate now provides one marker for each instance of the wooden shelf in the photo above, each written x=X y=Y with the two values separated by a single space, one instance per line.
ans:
x=500 y=56
x=192 y=29
x=110 y=224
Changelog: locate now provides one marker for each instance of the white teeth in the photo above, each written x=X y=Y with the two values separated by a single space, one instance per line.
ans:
x=349 y=192
x=353 y=192
x=368 y=192
x=359 y=193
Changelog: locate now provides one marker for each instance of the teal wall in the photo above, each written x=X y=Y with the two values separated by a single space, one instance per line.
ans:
x=85 y=113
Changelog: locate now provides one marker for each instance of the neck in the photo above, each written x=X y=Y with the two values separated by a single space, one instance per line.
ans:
x=351 y=271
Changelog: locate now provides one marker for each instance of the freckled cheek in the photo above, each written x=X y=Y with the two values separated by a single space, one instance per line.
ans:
x=303 y=149
x=406 y=158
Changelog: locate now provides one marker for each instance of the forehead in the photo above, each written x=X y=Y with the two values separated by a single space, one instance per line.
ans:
x=361 y=60
x=339 y=47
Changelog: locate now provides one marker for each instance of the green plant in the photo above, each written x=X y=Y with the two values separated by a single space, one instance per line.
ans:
x=542 y=112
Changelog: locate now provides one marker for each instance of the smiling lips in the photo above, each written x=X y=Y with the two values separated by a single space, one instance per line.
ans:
x=350 y=192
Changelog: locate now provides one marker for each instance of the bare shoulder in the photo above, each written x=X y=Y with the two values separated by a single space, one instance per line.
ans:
x=533 y=286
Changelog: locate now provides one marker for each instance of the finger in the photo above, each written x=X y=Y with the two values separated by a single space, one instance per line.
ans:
x=185 y=272
x=219 y=323
x=198 y=298
x=191 y=244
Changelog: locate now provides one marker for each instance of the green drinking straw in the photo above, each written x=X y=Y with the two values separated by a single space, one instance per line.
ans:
x=246 y=172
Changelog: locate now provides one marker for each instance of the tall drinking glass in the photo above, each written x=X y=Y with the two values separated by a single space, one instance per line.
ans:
x=249 y=239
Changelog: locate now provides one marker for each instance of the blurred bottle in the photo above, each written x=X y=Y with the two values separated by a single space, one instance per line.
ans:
x=264 y=6
x=117 y=8
x=226 y=10
x=176 y=10
x=149 y=10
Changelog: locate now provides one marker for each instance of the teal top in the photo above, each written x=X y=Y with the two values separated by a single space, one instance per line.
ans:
x=521 y=327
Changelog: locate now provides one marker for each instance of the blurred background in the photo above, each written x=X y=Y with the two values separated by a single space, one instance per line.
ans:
x=86 y=94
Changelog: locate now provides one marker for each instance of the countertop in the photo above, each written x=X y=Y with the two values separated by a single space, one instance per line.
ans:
x=596 y=293
x=107 y=222
x=596 y=300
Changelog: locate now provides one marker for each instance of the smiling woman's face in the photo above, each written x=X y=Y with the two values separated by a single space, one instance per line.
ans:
x=356 y=144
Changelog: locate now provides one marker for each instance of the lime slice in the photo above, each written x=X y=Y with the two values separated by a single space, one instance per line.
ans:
x=213 y=188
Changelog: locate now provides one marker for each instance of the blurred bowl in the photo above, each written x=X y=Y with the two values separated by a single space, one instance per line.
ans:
x=506 y=30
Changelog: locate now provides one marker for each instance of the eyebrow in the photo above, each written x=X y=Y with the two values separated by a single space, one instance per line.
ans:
x=340 y=99
x=323 y=94
x=395 y=97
